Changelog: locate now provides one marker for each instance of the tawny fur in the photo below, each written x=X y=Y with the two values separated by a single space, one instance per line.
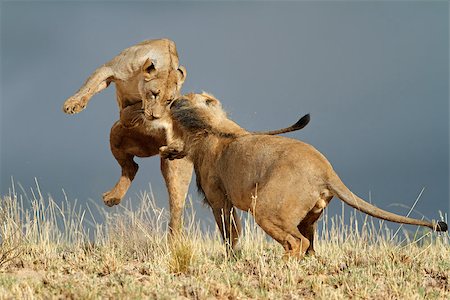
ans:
x=283 y=182
x=147 y=76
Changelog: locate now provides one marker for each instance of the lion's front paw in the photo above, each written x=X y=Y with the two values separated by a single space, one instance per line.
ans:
x=171 y=153
x=111 y=198
x=74 y=105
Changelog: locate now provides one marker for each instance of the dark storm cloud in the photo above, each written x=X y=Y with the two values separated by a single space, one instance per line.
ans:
x=374 y=77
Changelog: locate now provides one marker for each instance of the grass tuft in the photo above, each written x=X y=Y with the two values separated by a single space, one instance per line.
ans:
x=182 y=255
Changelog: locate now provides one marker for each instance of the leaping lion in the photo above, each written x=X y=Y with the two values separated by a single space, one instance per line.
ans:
x=147 y=76
x=294 y=181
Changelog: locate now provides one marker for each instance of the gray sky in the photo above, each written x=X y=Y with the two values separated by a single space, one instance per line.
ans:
x=374 y=76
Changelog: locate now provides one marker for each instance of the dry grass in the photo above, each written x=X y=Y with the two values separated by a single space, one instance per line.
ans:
x=48 y=252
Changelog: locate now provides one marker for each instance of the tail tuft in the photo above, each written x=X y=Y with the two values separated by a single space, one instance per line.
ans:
x=302 y=122
x=441 y=226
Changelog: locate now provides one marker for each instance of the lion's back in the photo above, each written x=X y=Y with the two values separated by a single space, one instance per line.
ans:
x=255 y=158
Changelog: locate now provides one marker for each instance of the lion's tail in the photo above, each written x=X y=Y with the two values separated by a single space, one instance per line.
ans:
x=301 y=123
x=342 y=192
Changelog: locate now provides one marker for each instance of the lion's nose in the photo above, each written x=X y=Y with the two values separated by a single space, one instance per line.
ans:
x=155 y=94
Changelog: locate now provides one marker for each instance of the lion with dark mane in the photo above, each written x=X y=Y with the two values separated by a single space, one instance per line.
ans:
x=284 y=183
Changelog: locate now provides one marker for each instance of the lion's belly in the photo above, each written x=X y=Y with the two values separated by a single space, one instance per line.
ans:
x=137 y=141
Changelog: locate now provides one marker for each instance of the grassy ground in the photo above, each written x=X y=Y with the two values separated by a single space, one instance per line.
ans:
x=46 y=252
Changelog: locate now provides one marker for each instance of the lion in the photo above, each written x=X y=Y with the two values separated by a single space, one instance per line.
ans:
x=284 y=183
x=147 y=76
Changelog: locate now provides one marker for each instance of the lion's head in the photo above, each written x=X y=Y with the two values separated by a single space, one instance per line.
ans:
x=198 y=113
x=149 y=73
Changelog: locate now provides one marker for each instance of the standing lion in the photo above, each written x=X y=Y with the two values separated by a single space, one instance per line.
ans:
x=283 y=182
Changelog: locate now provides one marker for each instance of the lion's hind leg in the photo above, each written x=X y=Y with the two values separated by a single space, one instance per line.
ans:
x=127 y=164
x=308 y=232
x=307 y=226
x=294 y=243
x=129 y=170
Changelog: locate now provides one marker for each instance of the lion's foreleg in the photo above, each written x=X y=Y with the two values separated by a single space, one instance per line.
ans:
x=177 y=174
x=98 y=81
x=235 y=229
x=229 y=224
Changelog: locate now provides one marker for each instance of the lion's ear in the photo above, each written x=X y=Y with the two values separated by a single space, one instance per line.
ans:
x=182 y=73
x=148 y=69
x=210 y=101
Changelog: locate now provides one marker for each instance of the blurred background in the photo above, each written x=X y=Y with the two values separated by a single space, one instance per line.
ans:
x=373 y=75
